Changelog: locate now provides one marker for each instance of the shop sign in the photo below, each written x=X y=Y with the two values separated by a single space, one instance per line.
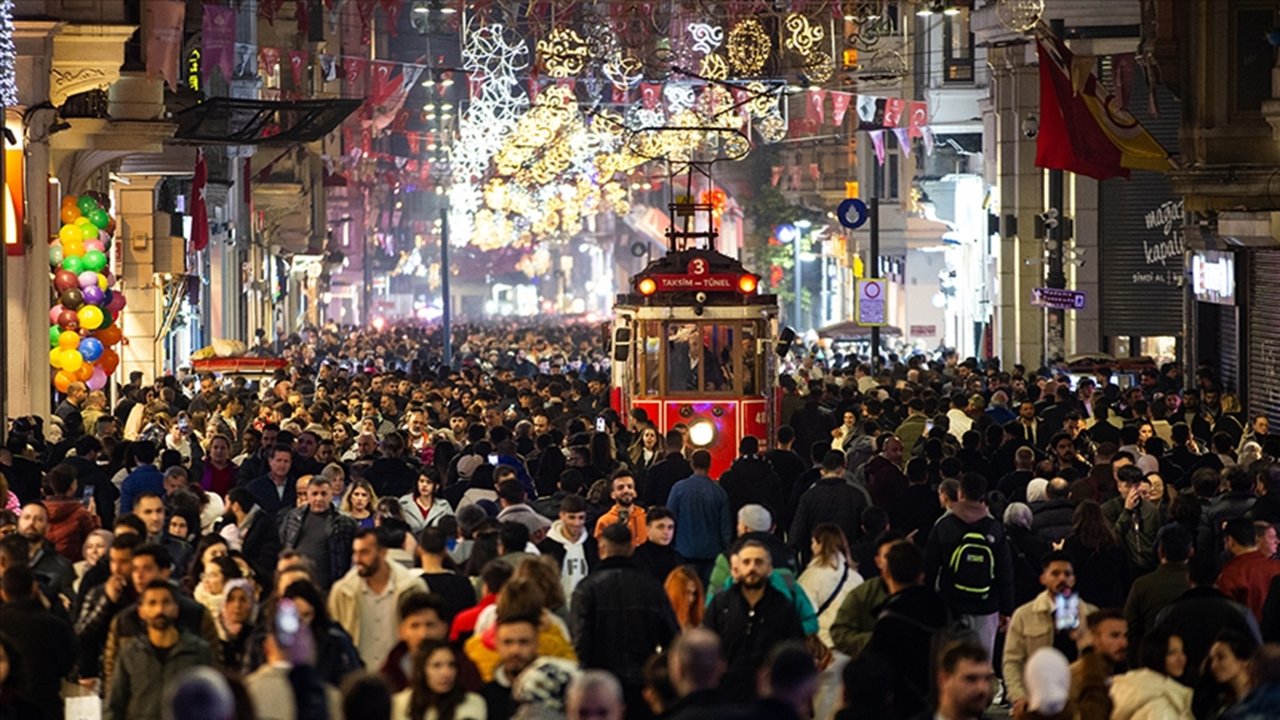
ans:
x=1057 y=298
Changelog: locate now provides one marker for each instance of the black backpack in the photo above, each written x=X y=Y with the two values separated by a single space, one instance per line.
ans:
x=971 y=569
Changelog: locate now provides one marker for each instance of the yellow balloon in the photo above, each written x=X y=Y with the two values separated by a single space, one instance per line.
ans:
x=102 y=281
x=72 y=360
x=69 y=340
x=90 y=318
x=72 y=248
x=55 y=357
x=82 y=220
x=70 y=232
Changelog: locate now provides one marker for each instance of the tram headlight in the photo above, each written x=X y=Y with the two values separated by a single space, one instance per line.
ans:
x=647 y=286
x=702 y=433
x=747 y=284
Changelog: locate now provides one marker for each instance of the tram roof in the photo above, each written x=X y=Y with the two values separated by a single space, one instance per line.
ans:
x=695 y=277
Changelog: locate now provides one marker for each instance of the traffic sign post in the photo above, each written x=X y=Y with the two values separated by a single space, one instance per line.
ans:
x=1057 y=298
x=870 y=304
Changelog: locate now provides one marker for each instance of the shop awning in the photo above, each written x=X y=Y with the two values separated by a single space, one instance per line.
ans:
x=240 y=121
x=850 y=330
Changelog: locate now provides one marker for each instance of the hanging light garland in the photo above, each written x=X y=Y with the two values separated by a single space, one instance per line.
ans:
x=749 y=47
x=8 y=56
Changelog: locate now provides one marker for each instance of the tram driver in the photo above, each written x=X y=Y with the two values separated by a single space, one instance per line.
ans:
x=684 y=361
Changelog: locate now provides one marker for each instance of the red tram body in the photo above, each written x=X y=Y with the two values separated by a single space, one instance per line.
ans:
x=692 y=345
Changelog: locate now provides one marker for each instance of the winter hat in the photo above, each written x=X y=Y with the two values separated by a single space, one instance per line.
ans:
x=755 y=517
x=1037 y=490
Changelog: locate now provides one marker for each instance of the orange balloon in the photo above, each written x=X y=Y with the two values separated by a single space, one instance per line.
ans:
x=109 y=335
x=62 y=381
x=109 y=360
x=69 y=214
x=70 y=201
x=84 y=372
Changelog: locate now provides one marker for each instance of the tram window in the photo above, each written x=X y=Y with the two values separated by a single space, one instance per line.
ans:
x=649 y=368
x=700 y=358
x=750 y=362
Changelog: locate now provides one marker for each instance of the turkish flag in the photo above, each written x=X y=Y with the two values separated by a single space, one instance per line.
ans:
x=297 y=63
x=199 y=208
x=385 y=81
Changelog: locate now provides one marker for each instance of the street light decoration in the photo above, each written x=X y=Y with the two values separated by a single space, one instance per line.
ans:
x=749 y=47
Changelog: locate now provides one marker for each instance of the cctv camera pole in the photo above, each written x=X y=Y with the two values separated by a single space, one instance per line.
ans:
x=1054 y=234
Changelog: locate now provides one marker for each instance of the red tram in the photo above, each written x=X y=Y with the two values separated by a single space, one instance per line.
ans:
x=692 y=345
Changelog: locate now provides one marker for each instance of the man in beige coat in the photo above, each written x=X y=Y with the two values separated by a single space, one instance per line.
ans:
x=1038 y=623
x=372 y=590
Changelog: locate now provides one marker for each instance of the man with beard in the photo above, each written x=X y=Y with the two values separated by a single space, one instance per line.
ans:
x=517 y=641
x=152 y=662
x=964 y=682
x=751 y=617
x=104 y=602
x=365 y=601
x=624 y=510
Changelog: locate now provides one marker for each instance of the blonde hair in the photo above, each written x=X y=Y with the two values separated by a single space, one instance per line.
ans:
x=345 y=507
x=541 y=571
x=832 y=545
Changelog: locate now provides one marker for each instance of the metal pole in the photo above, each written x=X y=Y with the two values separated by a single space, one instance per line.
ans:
x=445 y=304
x=366 y=283
x=873 y=271
x=4 y=312
x=1055 y=277
x=796 y=246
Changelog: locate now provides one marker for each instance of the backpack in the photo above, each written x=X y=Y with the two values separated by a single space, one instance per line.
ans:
x=972 y=566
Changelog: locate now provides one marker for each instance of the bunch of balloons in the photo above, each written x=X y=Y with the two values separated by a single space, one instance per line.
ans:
x=84 y=329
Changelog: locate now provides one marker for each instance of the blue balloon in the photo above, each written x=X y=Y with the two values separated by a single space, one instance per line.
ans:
x=91 y=349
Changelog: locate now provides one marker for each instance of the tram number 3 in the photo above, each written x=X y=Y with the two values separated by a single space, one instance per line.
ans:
x=698 y=267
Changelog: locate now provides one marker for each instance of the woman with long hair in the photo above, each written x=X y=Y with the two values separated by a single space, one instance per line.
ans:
x=829 y=577
x=602 y=454
x=207 y=549
x=95 y=546
x=213 y=583
x=434 y=692
x=645 y=451
x=1100 y=562
x=687 y=596
x=424 y=507
x=1153 y=689
x=1228 y=664
x=359 y=501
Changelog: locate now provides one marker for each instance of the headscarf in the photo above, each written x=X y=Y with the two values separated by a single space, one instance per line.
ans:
x=1048 y=680
x=1037 y=490
x=247 y=587
x=1017 y=514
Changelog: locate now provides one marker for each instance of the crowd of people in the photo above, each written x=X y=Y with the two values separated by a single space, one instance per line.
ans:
x=371 y=533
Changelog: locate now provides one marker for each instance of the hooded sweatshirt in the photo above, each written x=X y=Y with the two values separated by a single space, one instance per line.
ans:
x=575 y=564
x=1148 y=695
x=69 y=524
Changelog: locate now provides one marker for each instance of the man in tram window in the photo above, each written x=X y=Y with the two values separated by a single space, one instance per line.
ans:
x=684 y=362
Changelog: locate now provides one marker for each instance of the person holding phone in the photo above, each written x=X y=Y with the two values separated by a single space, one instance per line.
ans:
x=1052 y=619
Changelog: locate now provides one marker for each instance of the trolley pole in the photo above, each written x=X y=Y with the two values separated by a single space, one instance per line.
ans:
x=874 y=271
x=445 y=309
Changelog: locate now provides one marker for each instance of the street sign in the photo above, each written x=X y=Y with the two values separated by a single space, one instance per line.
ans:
x=852 y=213
x=870 y=302
x=1057 y=298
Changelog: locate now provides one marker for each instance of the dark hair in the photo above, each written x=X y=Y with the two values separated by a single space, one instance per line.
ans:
x=1241 y=530
x=416 y=602
x=158 y=553
x=18 y=582
x=973 y=486
x=1053 y=557
x=143 y=452
x=905 y=563
x=701 y=460
x=658 y=512
x=391 y=532
x=573 y=504
x=132 y=522
x=950 y=656
x=1091 y=528
x=748 y=445
x=617 y=534
x=513 y=536
x=422 y=698
x=1096 y=618
x=1155 y=647
x=153 y=585
x=833 y=461
x=127 y=541
x=495 y=574
x=1241 y=645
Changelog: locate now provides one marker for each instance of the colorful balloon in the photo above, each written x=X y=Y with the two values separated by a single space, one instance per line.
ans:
x=72 y=299
x=81 y=221
x=72 y=360
x=73 y=248
x=90 y=349
x=64 y=280
x=62 y=381
x=87 y=204
x=87 y=278
x=69 y=232
x=91 y=316
x=66 y=317
x=109 y=361
x=92 y=295
x=94 y=244
x=109 y=335
x=55 y=254
x=94 y=260
x=55 y=357
x=68 y=340
x=99 y=218
x=69 y=213
x=84 y=372
x=70 y=201
x=97 y=380
x=73 y=264
x=88 y=231
x=55 y=332
x=116 y=303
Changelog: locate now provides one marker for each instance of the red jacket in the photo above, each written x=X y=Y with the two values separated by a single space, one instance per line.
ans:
x=69 y=524
x=1246 y=579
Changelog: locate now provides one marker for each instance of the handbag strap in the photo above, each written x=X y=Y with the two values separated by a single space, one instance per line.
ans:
x=836 y=592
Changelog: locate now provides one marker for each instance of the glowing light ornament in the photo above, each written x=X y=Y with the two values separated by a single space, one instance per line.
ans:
x=623 y=71
x=818 y=67
x=706 y=38
x=8 y=56
x=772 y=129
x=563 y=52
x=802 y=35
x=749 y=47
x=714 y=67
x=764 y=101
x=679 y=96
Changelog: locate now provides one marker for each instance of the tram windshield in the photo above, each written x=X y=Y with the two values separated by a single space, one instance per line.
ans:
x=704 y=358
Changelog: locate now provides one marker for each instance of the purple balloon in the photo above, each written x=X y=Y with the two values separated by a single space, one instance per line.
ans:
x=88 y=279
x=92 y=295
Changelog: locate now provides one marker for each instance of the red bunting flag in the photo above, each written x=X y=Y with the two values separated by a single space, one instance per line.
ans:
x=199 y=205
x=893 y=109
x=839 y=106
x=297 y=63
x=269 y=60
x=415 y=141
x=302 y=13
x=364 y=8
x=814 y=108
x=392 y=9
x=353 y=68
x=918 y=119
x=650 y=94
x=268 y=9
x=385 y=81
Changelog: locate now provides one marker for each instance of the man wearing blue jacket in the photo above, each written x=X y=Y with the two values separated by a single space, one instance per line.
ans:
x=704 y=527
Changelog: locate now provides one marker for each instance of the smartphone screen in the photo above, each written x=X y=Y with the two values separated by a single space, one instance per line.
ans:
x=601 y=426
x=87 y=496
x=1066 y=612
x=493 y=459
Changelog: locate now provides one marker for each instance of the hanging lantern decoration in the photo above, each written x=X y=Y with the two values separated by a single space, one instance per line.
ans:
x=84 y=326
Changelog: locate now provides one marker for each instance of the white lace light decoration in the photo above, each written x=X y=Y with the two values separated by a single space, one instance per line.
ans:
x=8 y=56
x=706 y=38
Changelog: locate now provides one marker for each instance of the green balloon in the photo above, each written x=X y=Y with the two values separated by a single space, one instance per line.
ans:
x=55 y=254
x=54 y=332
x=89 y=231
x=99 y=218
x=73 y=264
x=87 y=205
x=94 y=260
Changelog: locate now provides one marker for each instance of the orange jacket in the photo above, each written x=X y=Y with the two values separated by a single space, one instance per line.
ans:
x=635 y=521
